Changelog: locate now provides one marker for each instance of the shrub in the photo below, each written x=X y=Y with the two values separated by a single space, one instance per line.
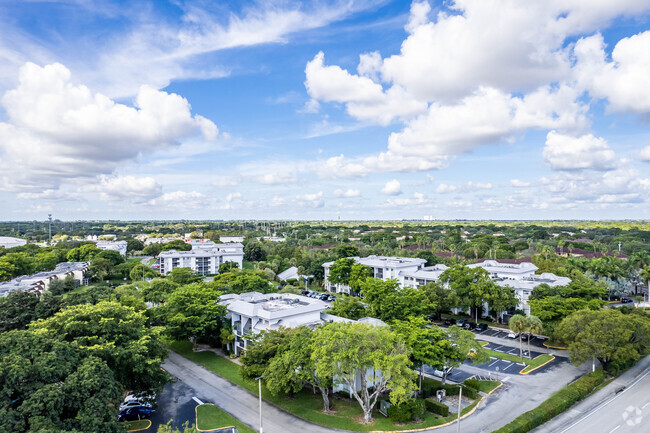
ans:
x=556 y=404
x=438 y=408
x=473 y=383
x=470 y=392
x=406 y=411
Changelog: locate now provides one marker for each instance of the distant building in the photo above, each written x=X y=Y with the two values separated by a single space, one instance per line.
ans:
x=384 y=268
x=40 y=281
x=9 y=242
x=119 y=246
x=291 y=273
x=204 y=258
x=228 y=239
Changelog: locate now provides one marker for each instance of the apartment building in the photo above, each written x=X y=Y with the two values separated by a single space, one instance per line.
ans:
x=40 y=281
x=119 y=246
x=204 y=258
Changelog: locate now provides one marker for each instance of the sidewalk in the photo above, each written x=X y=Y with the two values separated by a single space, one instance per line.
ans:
x=590 y=403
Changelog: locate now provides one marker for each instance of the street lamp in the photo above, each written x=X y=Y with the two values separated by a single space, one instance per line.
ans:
x=460 y=398
x=259 y=381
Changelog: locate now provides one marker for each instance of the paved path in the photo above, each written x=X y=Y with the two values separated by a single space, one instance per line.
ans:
x=606 y=411
x=518 y=395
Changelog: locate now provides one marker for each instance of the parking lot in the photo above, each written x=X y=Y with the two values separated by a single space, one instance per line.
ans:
x=503 y=333
x=174 y=403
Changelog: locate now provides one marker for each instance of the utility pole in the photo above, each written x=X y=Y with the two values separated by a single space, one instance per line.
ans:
x=49 y=218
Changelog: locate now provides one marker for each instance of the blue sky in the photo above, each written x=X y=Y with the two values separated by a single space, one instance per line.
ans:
x=477 y=109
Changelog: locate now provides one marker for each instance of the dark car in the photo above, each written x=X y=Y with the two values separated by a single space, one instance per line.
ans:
x=450 y=322
x=482 y=327
x=304 y=292
x=134 y=414
x=462 y=322
x=324 y=296
x=626 y=300
x=525 y=337
x=469 y=325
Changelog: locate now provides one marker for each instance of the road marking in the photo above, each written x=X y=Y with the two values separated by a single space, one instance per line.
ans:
x=513 y=350
x=510 y=365
x=643 y=407
x=615 y=428
x=490 y=365
x=197 y=400
x=647 y=371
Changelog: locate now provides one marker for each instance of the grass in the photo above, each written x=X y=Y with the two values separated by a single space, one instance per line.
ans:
x=210 y=417
x=142 y=424
x=248 y=265
x=488 y=386
x=537 y=362
x=506 y=356
x=305 y=404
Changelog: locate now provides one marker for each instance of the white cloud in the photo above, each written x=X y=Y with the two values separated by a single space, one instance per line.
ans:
x=392 y=187
x=126 y=188
x=444 y=188
x=519 y=183
x=564 y=152
x=233 y=196
x=314 y=200
x=417 y=199
x=644 y=155
x=224 y=181
x=349 y=193
x=623 y=81
x=180 y=199
x=57 y=131
x=277 y=178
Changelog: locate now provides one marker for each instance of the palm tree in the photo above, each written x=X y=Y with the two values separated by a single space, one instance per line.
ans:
x=517 y=324
x=533 y=326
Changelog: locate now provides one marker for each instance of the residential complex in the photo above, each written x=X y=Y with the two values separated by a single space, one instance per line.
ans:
x=40 y=281
x=9 y=242
x=119 y=246
x=204 y=258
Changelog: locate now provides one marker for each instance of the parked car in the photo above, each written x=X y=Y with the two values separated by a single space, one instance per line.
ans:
x=135 y=400
x=450 y=322
x=469 y=325
x=441 y=372
x=462 y=322
x=525 y=337
x=133 y=403
x=513 y=334
x=304 y=292
x=331 y=298
x=482 y=327
x=626 y=300
x=134 y=414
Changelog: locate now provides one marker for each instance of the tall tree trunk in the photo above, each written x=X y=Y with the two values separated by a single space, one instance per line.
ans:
x=444 y=375
x=326 y=399
x=529 y=337
x=521 y=351
x=421 y=367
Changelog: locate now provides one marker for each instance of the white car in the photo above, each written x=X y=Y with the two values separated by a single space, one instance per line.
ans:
x=513 y=334
x=441 y=373
x=133 y=400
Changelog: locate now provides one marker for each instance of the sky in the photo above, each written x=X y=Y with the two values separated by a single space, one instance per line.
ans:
x=368 y=109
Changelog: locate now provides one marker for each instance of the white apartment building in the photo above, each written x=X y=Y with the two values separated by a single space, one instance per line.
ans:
x=521 y=278
x=421 y=277
x=254 y=312
x=229 y=239
x=119 y=246
x=204 y=258
x=40 y=281
x=384 y=268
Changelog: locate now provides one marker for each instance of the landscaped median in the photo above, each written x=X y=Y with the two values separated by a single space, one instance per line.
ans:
x=531 y=364
x=133 y=426
x=209 y=417
x=307 y=405
x=556 y=404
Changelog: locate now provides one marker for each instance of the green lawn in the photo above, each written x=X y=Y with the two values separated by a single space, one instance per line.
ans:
x=210 y=417
x=537 y=361
x=506 y=356
x=137 y=425
x=305 y=404
x=488 y=385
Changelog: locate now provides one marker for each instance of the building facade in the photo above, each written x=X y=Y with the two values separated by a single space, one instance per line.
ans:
x=40 y=281
x=204 y=258
x=9 y=242
x=119 y=246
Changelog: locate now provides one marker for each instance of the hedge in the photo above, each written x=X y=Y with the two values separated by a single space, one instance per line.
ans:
x=556 y=404
x=406 y=411
x=473 y=383
x=468 y=391
x=434 y=407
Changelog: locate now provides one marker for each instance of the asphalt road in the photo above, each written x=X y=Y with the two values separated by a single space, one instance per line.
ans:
x=174 y=403
x=608 y=411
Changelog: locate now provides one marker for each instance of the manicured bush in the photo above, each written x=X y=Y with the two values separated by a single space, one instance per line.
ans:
x=406 y=411
x=434 y=407
x=470 y=392
x=556 y=404
x=473 y=383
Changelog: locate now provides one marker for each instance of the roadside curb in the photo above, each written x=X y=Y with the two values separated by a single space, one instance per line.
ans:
x=141 y=429
x=539 y=366
x=555 y=347
x=196 y=418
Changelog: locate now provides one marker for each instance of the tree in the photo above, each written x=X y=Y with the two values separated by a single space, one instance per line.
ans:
x=114 y=256
x=346 y=351
x=501 y=299
x=17 y=310
x=237 y=281
x=440 y=299
x=261 y=348
x=358 y=274
x=100 y=268
x=607 y=335
x=141 y=272
x=388 y=301
x=254 y=252
x=426 y=344
x=83 y=253
x=184 y=276
x=463 y=345
x=473 y=286
x=344 y=250
x=349 y=307
x=340 y=271
x=185 y=428
x=158 y=290
x=227 y=267
x=193 y=312
x=133 y=245
x=551 y=310
x=517 y=324
x=48 y=386
x=116 y=334
x=21 y=263
x=533 y=326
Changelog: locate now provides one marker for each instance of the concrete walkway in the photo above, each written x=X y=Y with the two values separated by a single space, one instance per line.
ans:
x=519 y=394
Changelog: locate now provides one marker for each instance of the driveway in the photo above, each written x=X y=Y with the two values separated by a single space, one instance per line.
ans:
x=174 y=403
